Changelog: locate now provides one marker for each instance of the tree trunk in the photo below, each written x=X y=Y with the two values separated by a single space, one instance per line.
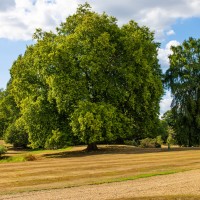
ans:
x=190 y=138
x=168 y=144
x=92 y=147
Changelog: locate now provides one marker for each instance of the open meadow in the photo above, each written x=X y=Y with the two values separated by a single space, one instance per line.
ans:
x=75 y=168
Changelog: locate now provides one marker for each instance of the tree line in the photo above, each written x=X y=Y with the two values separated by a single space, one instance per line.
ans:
x=89 y=82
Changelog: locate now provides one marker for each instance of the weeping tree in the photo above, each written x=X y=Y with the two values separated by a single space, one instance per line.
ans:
x=183 y=78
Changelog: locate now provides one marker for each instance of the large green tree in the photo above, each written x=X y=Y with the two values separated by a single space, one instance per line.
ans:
x=88 y=69
x=183 y=78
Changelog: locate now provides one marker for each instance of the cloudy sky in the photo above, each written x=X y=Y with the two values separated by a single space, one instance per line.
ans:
x=173 y=21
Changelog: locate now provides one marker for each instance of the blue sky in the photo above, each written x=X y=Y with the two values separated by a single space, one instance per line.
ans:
x=172 y=21
x=184 y=28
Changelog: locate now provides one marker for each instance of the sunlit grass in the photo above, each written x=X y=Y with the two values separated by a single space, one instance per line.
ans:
x=71 y=166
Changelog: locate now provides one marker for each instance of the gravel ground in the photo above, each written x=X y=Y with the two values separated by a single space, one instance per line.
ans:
x=183 y=183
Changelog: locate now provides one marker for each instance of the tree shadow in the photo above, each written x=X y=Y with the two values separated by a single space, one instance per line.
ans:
x=115 y=149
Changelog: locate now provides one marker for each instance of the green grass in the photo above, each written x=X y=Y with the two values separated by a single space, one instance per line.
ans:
x=23 y=156
x=41 y=151
x=142 y=176
x=13 y=159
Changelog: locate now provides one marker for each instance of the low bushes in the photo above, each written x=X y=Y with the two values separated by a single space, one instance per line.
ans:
x=150 y=143
x=146 y=143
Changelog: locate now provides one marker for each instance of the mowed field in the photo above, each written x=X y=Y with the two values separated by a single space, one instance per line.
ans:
x=75 y=167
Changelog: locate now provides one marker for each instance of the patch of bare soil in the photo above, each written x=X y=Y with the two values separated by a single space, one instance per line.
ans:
x=183 y=183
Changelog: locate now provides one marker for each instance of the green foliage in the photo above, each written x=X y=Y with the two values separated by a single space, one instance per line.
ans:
x=168 y=118
x=131 y=142
x=16 y=135
x=97 y=122
x=57 y=140
x=159 y=139
x=171 y=136
x=3 y=150
x=162 y=130
x=149 y=143
x=184 y=81
x=11 y=130
x=39 y=120
x=8 y=110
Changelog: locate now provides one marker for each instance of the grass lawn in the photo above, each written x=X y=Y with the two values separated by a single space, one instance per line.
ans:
x=74 y=167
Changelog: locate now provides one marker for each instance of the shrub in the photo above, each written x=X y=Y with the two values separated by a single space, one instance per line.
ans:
x=16 y=136
x=159 y=140
x=3 y=150
x=149 y=143
x=29 y=157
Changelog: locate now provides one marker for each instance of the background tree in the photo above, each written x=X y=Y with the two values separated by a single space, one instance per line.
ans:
x=167 y=120
x=170 y=138
x=183 y=78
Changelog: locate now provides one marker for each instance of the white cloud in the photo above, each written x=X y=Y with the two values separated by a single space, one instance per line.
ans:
x=20 y=18
x=165 y=103
x=20 y=21
x=164 y=53
x=170 y=32
x=158 y=15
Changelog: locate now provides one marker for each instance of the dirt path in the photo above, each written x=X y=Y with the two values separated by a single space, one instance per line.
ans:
x=183 y=183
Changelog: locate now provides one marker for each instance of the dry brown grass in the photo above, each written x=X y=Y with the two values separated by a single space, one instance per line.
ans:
x=77 y=167
x=171 y=197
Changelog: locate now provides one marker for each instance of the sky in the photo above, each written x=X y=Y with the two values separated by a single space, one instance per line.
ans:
x=173 y=21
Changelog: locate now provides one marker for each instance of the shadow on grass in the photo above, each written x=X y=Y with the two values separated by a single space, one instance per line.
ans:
x=115 y=149
x=4 y=157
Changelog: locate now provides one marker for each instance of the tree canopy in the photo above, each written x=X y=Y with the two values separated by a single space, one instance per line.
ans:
x=183 y=78
x=91 y=81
